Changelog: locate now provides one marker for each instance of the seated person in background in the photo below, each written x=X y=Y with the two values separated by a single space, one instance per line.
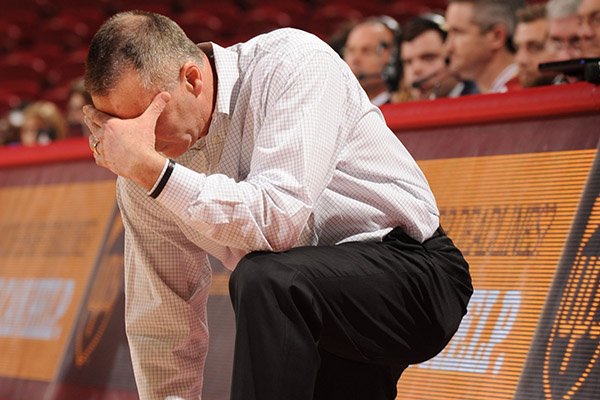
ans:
x=589 y=27
x=10 y=125
x=371 y=51
x=424 y=61
x=78 y=97
x=42 y=123
x=563 y=36
x=530 y=41
x=564 y=42
x=480 y=43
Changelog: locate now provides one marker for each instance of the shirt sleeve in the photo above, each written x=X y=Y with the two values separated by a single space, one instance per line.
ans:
x=300 y=109
x=167 y=282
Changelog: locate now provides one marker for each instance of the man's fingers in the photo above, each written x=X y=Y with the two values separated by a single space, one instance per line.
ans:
x=95 y=116
x=157 y=106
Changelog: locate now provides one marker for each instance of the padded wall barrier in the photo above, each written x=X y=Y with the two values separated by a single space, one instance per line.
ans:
x=517 y=180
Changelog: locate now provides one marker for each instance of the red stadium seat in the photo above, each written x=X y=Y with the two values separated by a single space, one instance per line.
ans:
x=227 y=10
x=10 y=72
x=59 y=95
x=70 y=33
x=22 y=89
x=91 y=16
x=366 y=8
x=25 y=58
x=229 y=14
x=7 y=101
x=298 y=10
x=200 y=25
x=51 y=53
x=157 y=6
x=261 y=20
x=71 y=67
x=16 y=13
x=327 y=20
x=12 y=36
x=403 y=11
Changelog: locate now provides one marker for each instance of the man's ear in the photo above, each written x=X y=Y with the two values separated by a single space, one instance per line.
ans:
x=498 y=36
x=191 y=76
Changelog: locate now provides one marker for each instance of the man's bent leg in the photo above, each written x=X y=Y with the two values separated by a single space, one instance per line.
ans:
x=370 y=303
x=343 y=379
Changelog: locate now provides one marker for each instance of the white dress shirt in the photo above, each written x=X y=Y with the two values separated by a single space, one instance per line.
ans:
x=296 y=154
x=381 y=99
x=500 y=83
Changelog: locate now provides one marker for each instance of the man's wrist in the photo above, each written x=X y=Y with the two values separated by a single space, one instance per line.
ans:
x=162 y=179
x=157 y=180
x=147 y=172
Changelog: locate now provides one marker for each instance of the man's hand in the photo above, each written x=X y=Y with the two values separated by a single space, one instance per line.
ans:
x=127 y=146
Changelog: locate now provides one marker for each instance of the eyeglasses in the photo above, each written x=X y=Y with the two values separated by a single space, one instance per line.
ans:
x=532 y=47
x=558 y=44
x=367 y=51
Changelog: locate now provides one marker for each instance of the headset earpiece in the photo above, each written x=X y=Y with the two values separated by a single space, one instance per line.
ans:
x=392 y=72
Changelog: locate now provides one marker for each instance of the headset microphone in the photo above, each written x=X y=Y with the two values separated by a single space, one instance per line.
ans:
x=419 y=83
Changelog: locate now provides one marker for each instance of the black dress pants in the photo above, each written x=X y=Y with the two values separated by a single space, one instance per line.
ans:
x=344 y=321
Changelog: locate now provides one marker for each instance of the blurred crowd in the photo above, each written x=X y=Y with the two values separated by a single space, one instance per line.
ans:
x=40 y=122
x=399 y=51
x=473 y=47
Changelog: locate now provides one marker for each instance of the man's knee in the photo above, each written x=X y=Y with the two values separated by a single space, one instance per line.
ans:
x=255 y=275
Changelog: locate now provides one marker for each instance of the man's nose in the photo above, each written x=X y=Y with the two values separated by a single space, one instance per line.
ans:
x=585 y=30
x=520 y=58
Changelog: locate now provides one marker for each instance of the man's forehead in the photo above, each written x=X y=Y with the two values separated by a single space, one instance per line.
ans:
x=122 y=105
x=589 y=6
x=368 y=32
x=539 y=26
x=460 y=13
x=127 y=99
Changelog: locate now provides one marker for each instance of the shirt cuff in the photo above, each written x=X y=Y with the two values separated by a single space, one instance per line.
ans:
x=162 y=179
x=182 y=188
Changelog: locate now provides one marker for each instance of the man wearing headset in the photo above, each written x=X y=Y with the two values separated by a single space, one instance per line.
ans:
x=425 y=62
x=371 y=51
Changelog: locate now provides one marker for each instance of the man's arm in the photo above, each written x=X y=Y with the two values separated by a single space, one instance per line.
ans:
x=293 y=160
x=167 y=281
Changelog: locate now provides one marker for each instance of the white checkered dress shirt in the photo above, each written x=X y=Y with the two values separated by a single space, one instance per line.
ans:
x=295 y=154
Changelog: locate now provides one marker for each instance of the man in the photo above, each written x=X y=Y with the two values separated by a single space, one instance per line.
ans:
x=371 y=51
x=563 y=36
x=480 y=43
x=530 y=41
x=589 y=27
x=269 y=156
x=424 y=60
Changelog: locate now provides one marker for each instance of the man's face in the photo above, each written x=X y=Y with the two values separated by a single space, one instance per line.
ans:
x=468 y=48
x=424 y=57
x=180 y=125
x=563 y=38
x=367 y=52
x=530 y=41
x=589 y=27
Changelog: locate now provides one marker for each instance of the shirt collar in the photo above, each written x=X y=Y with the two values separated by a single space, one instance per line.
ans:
x=499 y=85
x=381 y=99
x=226 y=63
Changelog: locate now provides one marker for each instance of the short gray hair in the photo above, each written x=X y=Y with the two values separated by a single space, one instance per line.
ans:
x=152 y=44
x=556 y=9
x=489 y=13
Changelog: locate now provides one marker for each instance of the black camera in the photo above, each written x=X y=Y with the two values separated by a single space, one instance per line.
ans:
x=584 y=69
